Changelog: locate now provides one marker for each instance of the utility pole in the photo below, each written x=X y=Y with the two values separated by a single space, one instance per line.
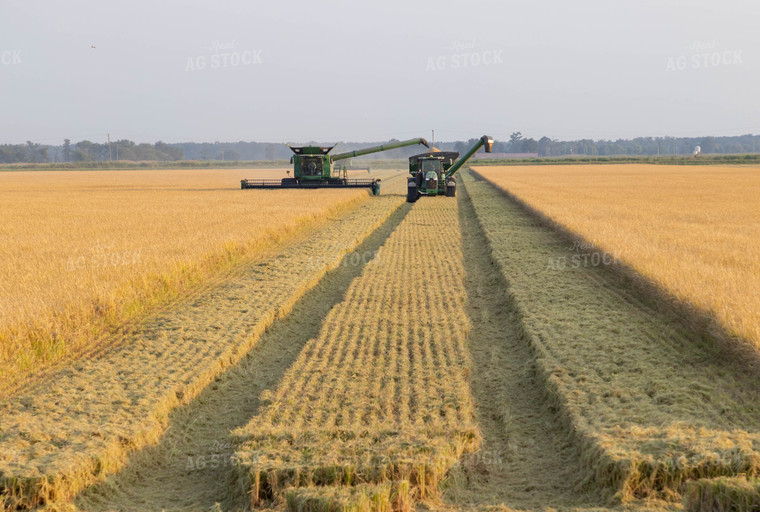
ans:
x=109 y=148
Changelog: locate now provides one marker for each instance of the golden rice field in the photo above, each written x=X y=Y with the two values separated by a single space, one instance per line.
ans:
x=206 y=348
x=84 y=251
x=692 y=230
x=73 y=427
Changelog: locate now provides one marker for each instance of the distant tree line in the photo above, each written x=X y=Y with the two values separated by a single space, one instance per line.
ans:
x=546 y=147
x=87 y=151
x=29 y=152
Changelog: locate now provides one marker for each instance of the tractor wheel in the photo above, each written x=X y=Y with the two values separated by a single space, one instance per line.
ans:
x=411 y=192
x=451 y=190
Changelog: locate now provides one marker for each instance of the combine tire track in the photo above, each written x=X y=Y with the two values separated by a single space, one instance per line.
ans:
x=527 y=459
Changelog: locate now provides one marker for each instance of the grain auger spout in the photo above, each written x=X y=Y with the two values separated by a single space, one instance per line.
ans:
x=433 y=173
x=382 y=147
x=313 y=167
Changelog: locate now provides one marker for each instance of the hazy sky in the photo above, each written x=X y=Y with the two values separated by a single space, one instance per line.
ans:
x=302 y=70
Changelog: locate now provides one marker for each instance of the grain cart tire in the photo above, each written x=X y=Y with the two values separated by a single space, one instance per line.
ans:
x=451 y=189
x=411 y=191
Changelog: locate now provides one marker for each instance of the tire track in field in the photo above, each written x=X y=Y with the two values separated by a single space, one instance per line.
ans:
x=190 y=467
x=527 y=461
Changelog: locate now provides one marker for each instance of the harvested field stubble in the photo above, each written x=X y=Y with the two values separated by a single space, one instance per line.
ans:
x=382 y=394
x=526 y=459
x=651 y=403
x=74 y=427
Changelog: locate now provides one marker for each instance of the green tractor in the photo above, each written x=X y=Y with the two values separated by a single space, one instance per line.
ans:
x=313 y=167
x=433 y=173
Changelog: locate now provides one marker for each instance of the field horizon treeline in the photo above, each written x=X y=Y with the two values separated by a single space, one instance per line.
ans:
x=125 y=149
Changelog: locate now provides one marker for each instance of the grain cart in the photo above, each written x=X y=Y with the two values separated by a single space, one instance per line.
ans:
x=433 y=173
x=313 y=167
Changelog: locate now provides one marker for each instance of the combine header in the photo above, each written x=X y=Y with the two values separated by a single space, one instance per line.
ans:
x=313 y=167
x=433 y=173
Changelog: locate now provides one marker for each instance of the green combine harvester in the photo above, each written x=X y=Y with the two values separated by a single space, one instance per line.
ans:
x=313 y=167
x=433 y=173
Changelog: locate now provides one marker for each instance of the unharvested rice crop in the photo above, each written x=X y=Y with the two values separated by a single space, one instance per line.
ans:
x=75 y=426
x=81 y=252
x=651 y=402
x=382 y=394
x=693 y=230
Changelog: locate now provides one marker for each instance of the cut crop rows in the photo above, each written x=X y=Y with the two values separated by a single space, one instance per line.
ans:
x=650 y=403
x=381 y=396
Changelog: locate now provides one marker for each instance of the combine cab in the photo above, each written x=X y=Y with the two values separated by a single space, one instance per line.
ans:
x=313 y=167
x=433 y=173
